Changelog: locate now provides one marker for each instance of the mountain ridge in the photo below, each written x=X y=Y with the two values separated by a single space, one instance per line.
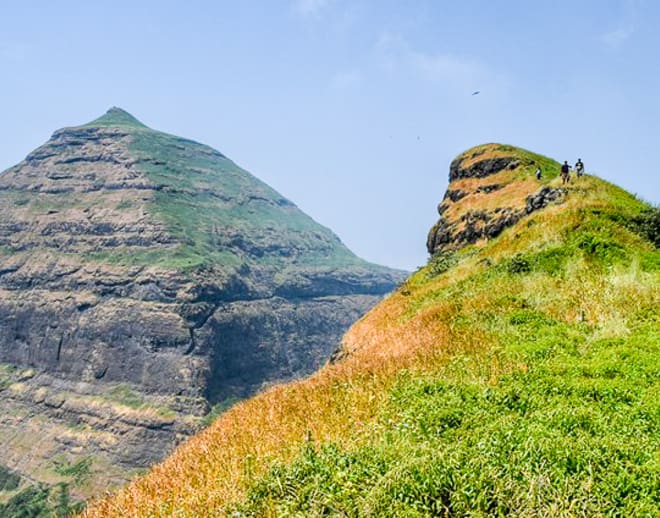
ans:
x=515 y=374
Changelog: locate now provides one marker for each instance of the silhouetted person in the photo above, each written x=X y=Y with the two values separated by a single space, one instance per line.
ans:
x=579 y=167
x=538 y=173
x=565 y=172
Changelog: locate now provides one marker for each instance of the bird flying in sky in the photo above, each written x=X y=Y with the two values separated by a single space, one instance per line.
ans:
x=476 y=92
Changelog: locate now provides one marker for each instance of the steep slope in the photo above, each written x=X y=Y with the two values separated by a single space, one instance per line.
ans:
x=144 y=278
x=516 y=374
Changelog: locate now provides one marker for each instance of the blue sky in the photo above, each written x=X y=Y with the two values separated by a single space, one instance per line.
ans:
x=352 y=109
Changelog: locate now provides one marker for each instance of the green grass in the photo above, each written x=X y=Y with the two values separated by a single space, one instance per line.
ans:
x=78 y=472
x=518 y=376
x=558 y=416
x=528 y=162
x=8 y=375
x=125 y=204
x=126 y=396
x=224 y=215
x=576 y=434
x=39 y=203
x=221 y=215
x=40 y=501
x=116 y=117
x=175 y=257
x=9 y=480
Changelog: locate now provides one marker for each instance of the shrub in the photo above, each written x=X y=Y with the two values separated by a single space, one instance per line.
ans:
x=440 y=263
x=600 y=247
x=8 y=479
x=648 y=225
x=518 y=264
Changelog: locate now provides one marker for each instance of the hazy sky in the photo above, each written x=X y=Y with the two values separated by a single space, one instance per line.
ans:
x=353 y=109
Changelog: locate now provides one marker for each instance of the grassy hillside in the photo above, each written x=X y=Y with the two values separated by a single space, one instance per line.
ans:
x=221 y=214
x=518 y=375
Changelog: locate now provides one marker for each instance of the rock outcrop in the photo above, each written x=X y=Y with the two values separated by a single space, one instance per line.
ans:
x=144 y=278
x=491 y=187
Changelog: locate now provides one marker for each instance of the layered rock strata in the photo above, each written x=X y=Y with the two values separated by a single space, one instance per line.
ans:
x=491 y=187
x=143 y=279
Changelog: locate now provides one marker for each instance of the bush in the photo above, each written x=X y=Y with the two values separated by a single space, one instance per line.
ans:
x=78 y=471
x=8 y=479
x=599 y=247
x=41 y=501
x=441 y=262
x=518 y=264
x=31 y=502
x=648 y=225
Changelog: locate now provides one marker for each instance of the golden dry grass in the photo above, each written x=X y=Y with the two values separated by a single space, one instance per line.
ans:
x=417 y=328
x=213 y=468
x=485 y=152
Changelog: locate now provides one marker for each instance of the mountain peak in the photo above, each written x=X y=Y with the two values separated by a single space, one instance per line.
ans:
x=116 y=116
x=491 y=187
x=172 y=275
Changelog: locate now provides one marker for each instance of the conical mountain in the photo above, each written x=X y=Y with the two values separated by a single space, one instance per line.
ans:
x=117 y=117
x=145 y=277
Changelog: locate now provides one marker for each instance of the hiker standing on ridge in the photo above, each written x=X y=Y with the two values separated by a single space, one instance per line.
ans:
x=565 y=172
x=579 y=168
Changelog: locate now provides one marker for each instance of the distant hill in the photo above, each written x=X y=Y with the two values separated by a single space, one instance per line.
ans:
x=516 y=374
x=144 y=280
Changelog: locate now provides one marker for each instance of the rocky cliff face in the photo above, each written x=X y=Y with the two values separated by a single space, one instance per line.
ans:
x=491 y=187
x=143 y=278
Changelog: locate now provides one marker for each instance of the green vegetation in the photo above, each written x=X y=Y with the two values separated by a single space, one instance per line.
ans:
x=516 y=376
x=560 y=417
x=648 y=224
x=78 y=472
x=126 y=396
x=41 y=501
x=46 y=203
x=530 y=161
x=218 y=409
x=219 y=210
x=177 y=257
x=220 y=214
x=125 y=204
x=117 y=117
x=440 y=263
x=576 y=432
x=8 y=479
x=118 y=396
x=8 y=375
